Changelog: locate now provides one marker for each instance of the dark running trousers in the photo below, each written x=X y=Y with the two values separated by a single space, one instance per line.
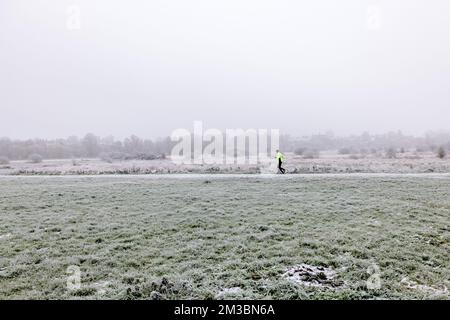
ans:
x=279 y=166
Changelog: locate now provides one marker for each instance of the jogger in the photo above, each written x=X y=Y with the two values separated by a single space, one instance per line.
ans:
x=280 y=158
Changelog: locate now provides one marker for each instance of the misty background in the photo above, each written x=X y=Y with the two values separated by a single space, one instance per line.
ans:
x=148 y=67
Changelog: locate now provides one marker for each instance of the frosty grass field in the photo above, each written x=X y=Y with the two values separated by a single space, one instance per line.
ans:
x=214 y=237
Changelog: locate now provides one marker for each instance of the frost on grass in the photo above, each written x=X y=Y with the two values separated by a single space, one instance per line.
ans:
x=161 y=289
x=312 y=276
x=328 y=163
x=139 y=238
x=229 y=292
x=427 y=290
x=5 y=236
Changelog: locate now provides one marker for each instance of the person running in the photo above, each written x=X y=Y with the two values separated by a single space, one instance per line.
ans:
x=280 y=158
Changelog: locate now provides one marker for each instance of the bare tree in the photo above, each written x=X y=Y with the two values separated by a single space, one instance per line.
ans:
x=91 y=145
x=4 y=160
x=35 y=158
x=391 y=153
x=441 y=153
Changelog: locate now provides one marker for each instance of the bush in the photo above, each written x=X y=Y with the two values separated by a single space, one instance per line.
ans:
x=420 y=149
x=311 y=154
x=391 y=153
x=118 y=155
x=145 y=156
x=345 y=151
x=4 y=160
x=105 y=157
x=35 y=158
x=299 y=151
x=441 y=153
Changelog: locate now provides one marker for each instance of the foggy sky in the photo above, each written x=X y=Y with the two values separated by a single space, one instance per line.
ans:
x=149 y=67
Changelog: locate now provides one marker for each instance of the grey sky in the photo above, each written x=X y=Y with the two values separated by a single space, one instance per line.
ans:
x=149 y=67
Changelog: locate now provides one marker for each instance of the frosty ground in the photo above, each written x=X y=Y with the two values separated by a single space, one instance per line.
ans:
x=328 y=162
x=215 y=237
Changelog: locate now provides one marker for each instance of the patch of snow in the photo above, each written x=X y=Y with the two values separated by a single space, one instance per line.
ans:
x=311 y=276
x=101 y=287
x=423 y=288
x=5 y=236
x=228 y=291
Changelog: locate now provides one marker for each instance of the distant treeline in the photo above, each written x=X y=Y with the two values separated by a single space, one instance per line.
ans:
x=367 y=143
x=92 y=146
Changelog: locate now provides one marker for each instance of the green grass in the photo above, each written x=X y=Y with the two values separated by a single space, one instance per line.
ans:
x=140 y=238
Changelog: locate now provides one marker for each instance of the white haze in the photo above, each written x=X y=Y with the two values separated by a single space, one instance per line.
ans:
x=149 y=67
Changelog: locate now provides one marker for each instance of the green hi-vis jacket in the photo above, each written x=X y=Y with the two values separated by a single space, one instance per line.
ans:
x=280 y=156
